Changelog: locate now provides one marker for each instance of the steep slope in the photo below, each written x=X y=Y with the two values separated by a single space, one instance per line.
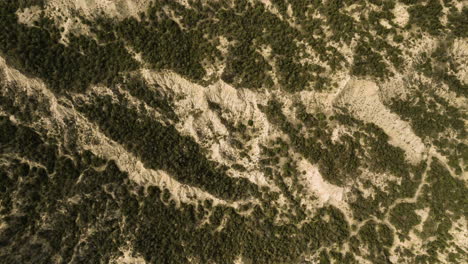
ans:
x=233 y=131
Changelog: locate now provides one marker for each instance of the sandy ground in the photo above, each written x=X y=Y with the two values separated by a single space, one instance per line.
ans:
x=128 y=258
x=62 y=12
x=28 y=15
x=92 y=139
x=35 y=88
x=241 y=104
x=459 y=54
x=325 y=192
x=112 y=8
x=362 y=98
x=401 y=14
x=205 y=126
x=459 y=232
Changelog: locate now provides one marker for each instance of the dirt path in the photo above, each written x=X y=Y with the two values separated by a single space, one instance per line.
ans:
x=418 y=190
x=412 y=199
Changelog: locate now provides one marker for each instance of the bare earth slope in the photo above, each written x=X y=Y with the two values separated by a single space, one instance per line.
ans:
x=233 y=131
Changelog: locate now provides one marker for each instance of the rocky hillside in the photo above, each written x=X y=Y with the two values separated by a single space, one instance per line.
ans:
x=246 y=131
